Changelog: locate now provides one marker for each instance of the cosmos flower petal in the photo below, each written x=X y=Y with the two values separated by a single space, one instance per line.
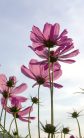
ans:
x=35 y=69
x=3 y=102
x=3 y=80
x=26 y=119
x=23 y=119
x=20 y=98
x=21 y=88
x=54 y=31
x=57 y=85
x=39 y=53
x=66 y=49
x=63 y=33
x=72 y=54
x=34 y=84
x=56 y=74
x=69 y=61
x=57 y=66
x=26 y=111
x=47 y=84
x=32 y=118
x=46 y=30
x=40 y=48
x=27 y=72
x=36 y=34
x=15 y=102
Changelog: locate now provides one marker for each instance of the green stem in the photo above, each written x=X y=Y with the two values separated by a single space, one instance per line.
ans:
x=64 y=135
x=27 y=136
x=49 y=67
x=51 y=89
x=49 y=135
x=52 y=110
x=5 y=118
x=79 y=128
x=61 y=134
x=1 y=114
x=49 y=76
x=29 y=130
x=5 y=131
x=38 y=115
x=5 y=112
x=16 y=127
x=11 y=125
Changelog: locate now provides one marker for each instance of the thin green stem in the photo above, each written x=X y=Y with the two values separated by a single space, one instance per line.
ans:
x=51 y=88
x=29 y=130
x=52 y=110
x=11 y=125
x=1 y=114
x=49 y=135
x=38 y=114
x=49 y=76
x=64 y=135
x=54 y=135
x=16 y=127
x=49 y=67
x=61 y=134
x=79 y=128
x=5 y=112
x=5 y=131
x=5 y=118
x=27 y=136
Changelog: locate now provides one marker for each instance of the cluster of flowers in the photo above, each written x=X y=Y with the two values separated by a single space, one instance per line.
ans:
x=53 y=48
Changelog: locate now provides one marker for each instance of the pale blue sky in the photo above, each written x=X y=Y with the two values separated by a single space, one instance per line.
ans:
x=16 y=21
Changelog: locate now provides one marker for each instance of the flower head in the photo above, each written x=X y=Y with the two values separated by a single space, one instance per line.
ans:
x=7 y=83
x=65 y=130
x=9 y=91
x=11 y=82
x=60 y=54
x=34 y=100
x=75 y=114
x=49 y=128
x=49 y=38
x=17 y=111
x=39 y=74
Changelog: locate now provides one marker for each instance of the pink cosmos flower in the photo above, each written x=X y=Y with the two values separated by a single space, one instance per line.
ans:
x=39 y=74
x=59 y=54
x=7 y=83
x=9 y=91
x=16 y=110
x=49 y=38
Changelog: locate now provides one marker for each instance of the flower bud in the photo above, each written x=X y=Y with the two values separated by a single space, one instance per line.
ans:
x=34 y=100
x=65 y=130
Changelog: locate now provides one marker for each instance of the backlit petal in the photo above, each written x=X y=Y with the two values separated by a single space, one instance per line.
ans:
x=27 y=72
x=46 y=30
x=25 y=111
x=21 y=88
